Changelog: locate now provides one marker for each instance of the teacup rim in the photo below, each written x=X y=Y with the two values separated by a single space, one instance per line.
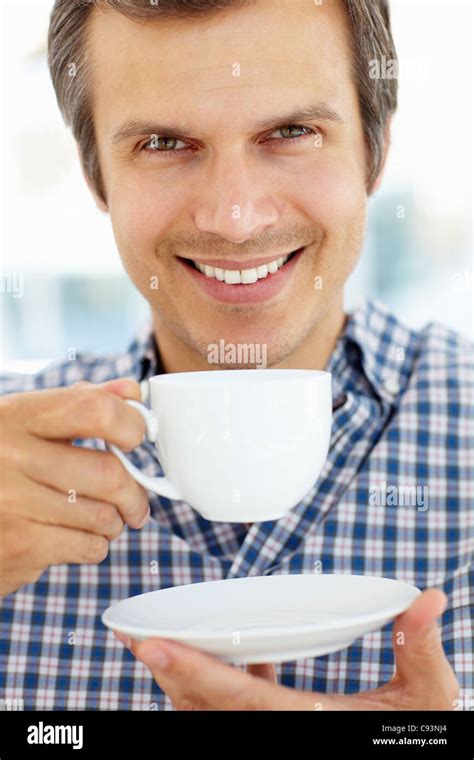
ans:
x=238 y=374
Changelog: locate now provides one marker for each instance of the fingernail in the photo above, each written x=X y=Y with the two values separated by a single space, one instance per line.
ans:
x=158 y=658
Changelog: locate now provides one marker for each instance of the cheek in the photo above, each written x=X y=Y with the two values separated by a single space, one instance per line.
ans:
x=335 y=200
x=334 y=197
x=141 y=215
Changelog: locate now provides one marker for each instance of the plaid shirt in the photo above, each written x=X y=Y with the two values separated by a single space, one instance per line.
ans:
x=407 y=423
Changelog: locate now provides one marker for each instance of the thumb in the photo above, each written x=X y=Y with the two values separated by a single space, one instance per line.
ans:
x=125 y=387
x=419 y=653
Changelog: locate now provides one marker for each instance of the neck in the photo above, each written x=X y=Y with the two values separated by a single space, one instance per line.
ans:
x=312 y=353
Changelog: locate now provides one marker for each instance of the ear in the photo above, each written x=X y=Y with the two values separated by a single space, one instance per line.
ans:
x=386 y=147
x=99 y=202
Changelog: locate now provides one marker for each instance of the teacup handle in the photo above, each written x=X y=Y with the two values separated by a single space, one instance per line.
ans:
x=162 y=486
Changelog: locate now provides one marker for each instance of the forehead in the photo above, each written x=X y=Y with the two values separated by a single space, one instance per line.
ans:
x=235 y=64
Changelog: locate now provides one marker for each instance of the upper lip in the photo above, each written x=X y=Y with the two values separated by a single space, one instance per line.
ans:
x=241 y=265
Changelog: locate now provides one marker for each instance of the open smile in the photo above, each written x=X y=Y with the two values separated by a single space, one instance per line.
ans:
x=229 y=281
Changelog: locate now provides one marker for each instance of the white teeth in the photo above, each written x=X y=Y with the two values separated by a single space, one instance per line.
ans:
x=242 y=276
x=232 y=276
x=248 y=276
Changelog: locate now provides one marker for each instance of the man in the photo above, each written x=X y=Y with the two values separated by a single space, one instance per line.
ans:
x=222 y=136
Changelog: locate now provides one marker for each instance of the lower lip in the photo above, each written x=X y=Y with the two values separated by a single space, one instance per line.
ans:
x=262 y=290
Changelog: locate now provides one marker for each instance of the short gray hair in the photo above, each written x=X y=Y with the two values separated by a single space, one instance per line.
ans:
x=67 y=58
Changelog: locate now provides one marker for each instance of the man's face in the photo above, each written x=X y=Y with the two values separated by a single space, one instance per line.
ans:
x=204 y=159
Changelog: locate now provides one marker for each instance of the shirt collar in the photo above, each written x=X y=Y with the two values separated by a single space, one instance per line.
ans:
x=385 y=348
x=373 y=341
x=144 y=354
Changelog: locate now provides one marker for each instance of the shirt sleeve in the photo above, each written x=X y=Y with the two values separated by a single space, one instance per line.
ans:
x=60 y=374
x=54 y=375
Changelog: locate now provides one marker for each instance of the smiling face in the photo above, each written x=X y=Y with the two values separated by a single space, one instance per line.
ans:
x=232 y=141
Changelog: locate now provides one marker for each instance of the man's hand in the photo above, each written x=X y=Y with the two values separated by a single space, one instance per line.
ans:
x=424 y=679
x=61 y=503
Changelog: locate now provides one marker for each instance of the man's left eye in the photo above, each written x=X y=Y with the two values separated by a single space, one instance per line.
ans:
x=288 y=132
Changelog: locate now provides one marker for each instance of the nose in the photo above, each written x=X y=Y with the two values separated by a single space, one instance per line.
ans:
x=235 y=202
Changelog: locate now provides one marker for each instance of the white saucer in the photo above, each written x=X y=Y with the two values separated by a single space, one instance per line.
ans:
x=271 y=618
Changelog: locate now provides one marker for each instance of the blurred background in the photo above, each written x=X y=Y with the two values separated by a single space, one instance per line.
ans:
x=74 y=293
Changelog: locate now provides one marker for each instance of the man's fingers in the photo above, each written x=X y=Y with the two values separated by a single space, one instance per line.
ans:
x=97 y=475
x=124 y=387
x=39 y=503
x=195 y=680
x=420 y=658
x=84 y=411
x=39 y=546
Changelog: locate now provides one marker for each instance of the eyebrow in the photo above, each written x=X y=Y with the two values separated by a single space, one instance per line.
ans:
x=319 y=111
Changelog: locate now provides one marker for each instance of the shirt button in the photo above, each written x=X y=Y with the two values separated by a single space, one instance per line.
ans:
x=391 y=385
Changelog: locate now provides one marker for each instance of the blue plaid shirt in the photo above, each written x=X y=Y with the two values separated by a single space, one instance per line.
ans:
x=395 y=499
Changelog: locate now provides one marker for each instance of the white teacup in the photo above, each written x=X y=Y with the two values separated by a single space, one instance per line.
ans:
x=237 y=445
